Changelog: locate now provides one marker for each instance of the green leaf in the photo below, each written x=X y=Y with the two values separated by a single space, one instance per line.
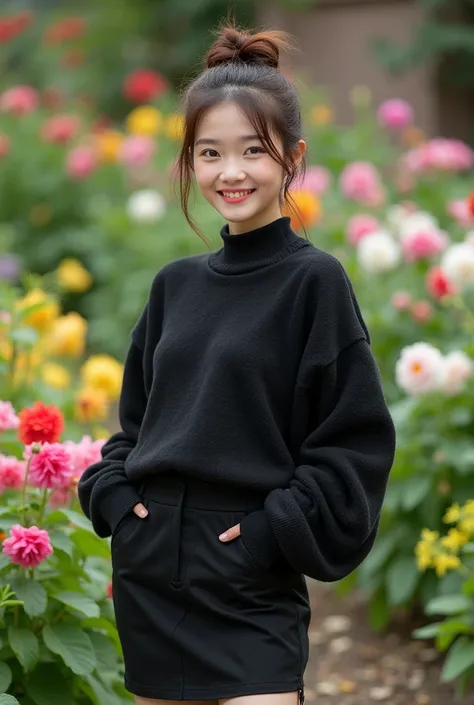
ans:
x=89 y=544
x=5 y=676
x=105 y=653
x=32 y=593
x=48 y=686
x=25 y=646
x=61 y=541
x=429 y=631
x=79 y=602
x=5 y=561
x=447 y=604
x=8 y=700
x=79 y=520
x=379 y=612
x=460 y=657
x=73 y=645
x=104 y=695
x=401 y=580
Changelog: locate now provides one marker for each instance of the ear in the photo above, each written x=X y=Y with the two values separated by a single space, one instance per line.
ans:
x=299 y=152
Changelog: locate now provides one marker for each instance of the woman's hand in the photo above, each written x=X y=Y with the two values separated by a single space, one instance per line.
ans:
x=140 y=510
x=231 y=533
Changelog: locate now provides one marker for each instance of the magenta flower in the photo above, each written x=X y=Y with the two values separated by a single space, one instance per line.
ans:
x=83 y=454
x=19 y=100
x=360 y=182
x=439 y=154
x=60 y=497
x=395 y=114
x=51 y=467
x=136 y=150
x=317 y=180
x=27 y=547
x=459 y=210
x=81 y=162
x=423 y=243
x=359 y=226
x=12 y=472
x=8 y=418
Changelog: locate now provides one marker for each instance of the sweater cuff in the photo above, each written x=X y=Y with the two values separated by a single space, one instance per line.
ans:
x=117 y=503
x=258 y=538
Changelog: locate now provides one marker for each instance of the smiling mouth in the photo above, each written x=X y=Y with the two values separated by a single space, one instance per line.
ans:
x=236 y=196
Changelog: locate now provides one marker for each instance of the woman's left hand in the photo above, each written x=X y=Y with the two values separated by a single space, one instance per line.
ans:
x=231 y=533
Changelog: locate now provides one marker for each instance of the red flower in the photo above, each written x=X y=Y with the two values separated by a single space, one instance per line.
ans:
x=60 y=128
x=109 y=591
x=470 y=203
x=65 y=30
x=11 y=27
x=438 y=284
x=40 y=423
x=143 y=85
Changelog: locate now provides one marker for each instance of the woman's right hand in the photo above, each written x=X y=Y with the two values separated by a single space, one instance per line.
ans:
x=140 y=510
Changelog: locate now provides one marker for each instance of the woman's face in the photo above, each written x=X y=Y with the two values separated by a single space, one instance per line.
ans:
x=233 y=170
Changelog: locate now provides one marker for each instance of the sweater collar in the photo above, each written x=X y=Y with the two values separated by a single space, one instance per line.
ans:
x=256 y=248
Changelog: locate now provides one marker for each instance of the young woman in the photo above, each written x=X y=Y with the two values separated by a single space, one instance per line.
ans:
x=256 y=443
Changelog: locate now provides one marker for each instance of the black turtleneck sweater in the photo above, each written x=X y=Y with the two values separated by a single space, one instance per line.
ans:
x=251 y=366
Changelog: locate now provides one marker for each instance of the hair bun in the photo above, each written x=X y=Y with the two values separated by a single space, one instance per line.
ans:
x=260 y=48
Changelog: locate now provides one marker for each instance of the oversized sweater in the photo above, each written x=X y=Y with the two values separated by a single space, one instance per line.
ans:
x=251 y=366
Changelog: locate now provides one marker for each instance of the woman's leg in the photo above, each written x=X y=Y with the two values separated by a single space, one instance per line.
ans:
x=265 y=699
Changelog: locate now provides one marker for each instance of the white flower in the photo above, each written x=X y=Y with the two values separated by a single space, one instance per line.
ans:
x=146 y=206
x=458 y=368
x=378 y=252
x=457 y=263
x=420 y=369
x=470 y=237
x=396 y=215
x=414 y=222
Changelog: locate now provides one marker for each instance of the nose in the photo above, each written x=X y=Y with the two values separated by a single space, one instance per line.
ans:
x=232 y=173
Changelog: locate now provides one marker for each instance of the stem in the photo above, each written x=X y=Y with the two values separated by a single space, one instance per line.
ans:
x=43 y=506
x=23 y=490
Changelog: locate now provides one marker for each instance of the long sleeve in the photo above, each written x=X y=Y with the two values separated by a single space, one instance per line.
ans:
x=325 y=522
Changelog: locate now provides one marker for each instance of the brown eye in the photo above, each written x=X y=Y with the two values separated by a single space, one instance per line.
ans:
x=260 y=150
x=204 y=154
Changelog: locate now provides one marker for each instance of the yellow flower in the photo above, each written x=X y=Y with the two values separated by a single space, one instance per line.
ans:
x=452 y=514
x=92 y=405
x=444 y=562
x=304 y=209
x=429 y=536
x=454 y=540
x=27 y=363
x=72 y=276
x=468 y=509
x=103 y=372
x=467 y=525
x=322 y=115
x=68 y=336
x=108 y=145
x=144 y=120
x=100 y=434
x=424 y=551
x=56 y=375
x=174 y=127
x=46 y=311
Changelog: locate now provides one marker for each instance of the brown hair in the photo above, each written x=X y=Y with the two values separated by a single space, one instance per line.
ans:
x=244 y=68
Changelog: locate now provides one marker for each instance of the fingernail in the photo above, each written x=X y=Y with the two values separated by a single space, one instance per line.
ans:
x=223 y=536
x=143 y=513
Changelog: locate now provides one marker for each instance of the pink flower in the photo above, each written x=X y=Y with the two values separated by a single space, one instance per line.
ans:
x=459 y=210
x=8 y=418
x=27 y=547
x=83 y=454
x=60 y=497
x=360 y=182
x=438 y=284
x=439 y=154
x=60 y=128
x=136 y=150
x=12 y=472
x=81 y=162
x=395 y=114
x=19 y=100
x=422 y=311
x=317 y=180
x=360 y=225
x=401 y=300
x=422 y=243
x=51 y=467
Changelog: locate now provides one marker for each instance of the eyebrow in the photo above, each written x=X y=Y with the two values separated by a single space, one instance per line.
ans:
x=208 y=140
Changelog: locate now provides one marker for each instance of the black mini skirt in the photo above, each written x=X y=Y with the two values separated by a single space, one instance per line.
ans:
x=198 y=619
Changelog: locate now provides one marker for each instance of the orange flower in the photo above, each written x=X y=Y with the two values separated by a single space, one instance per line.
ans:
x=40 y=423
x=304 y=209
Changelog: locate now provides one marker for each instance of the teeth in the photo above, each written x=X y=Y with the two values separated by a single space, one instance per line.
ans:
x=236 y=194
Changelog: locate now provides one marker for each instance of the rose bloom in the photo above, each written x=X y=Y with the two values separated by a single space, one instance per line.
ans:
x=458 y=369
x=81 y=162
x=317 y=180
x=359 y=226
x=401 y=301
x=438 y=284
x=360 y=182
x=51 y=467
x=422 y=311
x=439 y=154
x=423 y=243
x=457 y=263
x=136 y=150
x=8 y=418
x=395 y=114
x=420 y=369
x=27 y=547
x=19 y=100
x=12 y=472
x=378 y=252
x=40 y=423
x=60 y=128
x=144 y=85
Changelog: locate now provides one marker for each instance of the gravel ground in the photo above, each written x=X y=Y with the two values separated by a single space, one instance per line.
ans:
x=349 y=664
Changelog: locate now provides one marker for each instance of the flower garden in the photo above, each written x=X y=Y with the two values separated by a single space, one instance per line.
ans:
x=88 y=214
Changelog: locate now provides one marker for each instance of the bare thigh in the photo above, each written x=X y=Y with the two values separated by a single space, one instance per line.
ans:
x=265 y=699
x=155 y=701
